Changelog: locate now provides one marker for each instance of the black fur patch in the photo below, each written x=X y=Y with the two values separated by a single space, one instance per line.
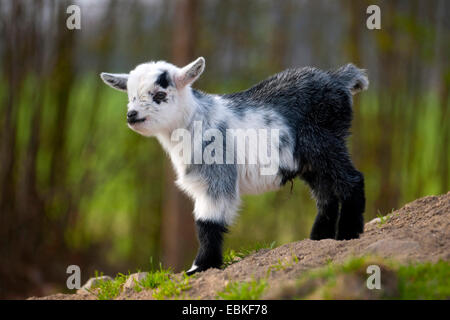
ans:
x=287 y=175
x=351 y=220
x=163 y=80
x=210 y=237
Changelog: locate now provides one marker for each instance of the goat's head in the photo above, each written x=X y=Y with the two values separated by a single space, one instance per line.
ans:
x=159 y=97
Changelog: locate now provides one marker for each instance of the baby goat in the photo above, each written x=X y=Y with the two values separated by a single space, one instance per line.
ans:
x=310 y=111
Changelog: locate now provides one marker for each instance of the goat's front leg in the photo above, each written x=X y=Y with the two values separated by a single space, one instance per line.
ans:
x=210 y=238
x=212 y=218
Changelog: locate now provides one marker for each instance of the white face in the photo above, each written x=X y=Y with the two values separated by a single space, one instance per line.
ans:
x=157 y=97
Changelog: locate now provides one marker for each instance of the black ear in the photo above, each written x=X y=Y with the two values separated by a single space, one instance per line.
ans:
x=115 y=80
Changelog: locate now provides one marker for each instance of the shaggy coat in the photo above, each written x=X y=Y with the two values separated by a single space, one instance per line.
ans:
x=309 y=109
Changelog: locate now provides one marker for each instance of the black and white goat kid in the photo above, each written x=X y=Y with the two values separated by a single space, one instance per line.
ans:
x=310 y=109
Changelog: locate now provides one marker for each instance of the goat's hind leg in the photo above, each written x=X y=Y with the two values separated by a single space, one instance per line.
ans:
x=351 y=220
x=324 y=226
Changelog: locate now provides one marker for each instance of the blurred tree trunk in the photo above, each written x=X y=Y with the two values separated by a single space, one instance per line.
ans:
x=280 y=34
x=356 y=11
x=29 y=205
x=178 y=232
x=13 y=69
x=391 y=70
x=440 y=84
x=64 y=76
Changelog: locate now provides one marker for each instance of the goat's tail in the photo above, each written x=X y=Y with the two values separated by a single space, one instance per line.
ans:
x=354 y=79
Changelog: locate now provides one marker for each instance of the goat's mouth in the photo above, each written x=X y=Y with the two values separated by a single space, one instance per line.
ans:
x=134 y=121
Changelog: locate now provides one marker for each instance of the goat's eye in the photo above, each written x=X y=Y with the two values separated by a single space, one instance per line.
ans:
x=160 y=95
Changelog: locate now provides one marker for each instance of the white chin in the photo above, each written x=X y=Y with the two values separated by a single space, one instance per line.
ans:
x=141 y=128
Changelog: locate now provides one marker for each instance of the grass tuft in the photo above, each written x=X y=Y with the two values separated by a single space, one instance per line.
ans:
x=283 y=264
x=251 y=290
x=348 y=281
x=424 y=281
x=383 y=219
x=172 y=288
x=153 y=279
x=161 y=281
x=231 y=256
x=108 y=289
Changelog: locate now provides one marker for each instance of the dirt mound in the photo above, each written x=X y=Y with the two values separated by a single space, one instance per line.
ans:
x=418 y=232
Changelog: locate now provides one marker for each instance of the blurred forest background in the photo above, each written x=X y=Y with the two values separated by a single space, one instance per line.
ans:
x=78 y=187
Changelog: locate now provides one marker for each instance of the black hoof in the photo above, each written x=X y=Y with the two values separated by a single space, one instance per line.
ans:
x=322 y=235
x=347 y=235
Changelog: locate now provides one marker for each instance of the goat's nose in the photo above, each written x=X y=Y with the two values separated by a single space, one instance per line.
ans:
x=131 y=114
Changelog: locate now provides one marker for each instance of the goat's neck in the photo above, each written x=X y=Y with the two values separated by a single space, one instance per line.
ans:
x=189 y=108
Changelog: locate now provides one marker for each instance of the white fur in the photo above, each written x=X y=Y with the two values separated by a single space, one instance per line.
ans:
x=205 y=208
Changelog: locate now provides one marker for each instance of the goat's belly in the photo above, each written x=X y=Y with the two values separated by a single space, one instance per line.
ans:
x=251 y=181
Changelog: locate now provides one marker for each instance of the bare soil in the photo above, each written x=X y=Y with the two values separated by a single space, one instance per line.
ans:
x=418 y=232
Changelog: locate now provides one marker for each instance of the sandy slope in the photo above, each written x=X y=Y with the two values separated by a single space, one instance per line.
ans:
x=420 y=231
